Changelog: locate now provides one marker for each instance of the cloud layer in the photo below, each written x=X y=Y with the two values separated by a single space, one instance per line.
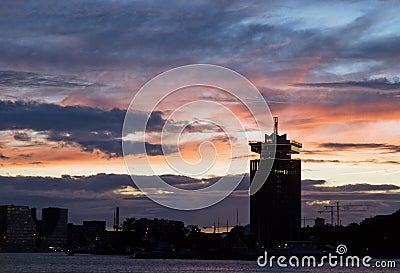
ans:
x=95 y=196
x=90 y=128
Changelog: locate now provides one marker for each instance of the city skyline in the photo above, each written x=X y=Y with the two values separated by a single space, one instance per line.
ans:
x=68 y=72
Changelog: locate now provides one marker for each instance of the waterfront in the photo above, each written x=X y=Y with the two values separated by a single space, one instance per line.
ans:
x=79 y=263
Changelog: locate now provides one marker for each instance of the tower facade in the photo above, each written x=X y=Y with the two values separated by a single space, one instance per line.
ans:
x=55 y=227
x=275 y=209
x=17 y=228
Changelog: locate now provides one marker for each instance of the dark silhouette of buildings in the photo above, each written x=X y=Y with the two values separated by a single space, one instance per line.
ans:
x=377 y=237
x=76 y=236
x=89 y=237
x=275 y=209
x=17 y=228
x=94 y=231
x=319 y=222
x=116 y=225
x=54 y=227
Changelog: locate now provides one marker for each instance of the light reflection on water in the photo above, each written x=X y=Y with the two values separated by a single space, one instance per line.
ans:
x=59 y=262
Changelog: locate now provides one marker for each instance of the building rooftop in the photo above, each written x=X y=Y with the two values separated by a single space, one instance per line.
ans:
x=275 y=145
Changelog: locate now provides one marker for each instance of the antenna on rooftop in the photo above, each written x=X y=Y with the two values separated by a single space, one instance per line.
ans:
x=116 y=219
x=276 y=125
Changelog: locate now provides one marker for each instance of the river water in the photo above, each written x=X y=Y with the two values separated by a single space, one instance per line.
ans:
x=80 y=263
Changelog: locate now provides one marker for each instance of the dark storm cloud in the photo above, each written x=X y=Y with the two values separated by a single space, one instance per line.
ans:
x=68 y=184
x=156 y=121
x=189 y=183
x=354 y=162
x=25 y=155
x=352 y=146
x=317 y=186
x=44 y=116
x=369 y=197
x=357 y=201
x=256 y=38
x=89 y=197
x=103 y=33
x=308 y=184
x=203 y=127
x=357 y=188
x=380 y=84
x=364 y=187
x=3 y=157
x=379 y=49
x=30 y=79
x=36 y=162
x=159 y=34
x=87 y=127
x=316 y=194
x=102 y=184
x=22 y=136
x=309 y=160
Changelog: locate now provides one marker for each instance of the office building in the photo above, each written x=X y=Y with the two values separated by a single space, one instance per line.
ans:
x=54 y=228
x=275 y=209
x=94 y=231
x=17 y=229
x=319 y=222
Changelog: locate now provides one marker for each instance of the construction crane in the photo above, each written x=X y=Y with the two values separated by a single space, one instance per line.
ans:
x=337 y=208
x=328 y=211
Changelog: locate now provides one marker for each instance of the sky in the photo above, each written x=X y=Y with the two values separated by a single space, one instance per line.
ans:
x=69 y=70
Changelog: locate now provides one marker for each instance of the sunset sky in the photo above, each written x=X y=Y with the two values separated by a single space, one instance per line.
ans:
x=68 y=71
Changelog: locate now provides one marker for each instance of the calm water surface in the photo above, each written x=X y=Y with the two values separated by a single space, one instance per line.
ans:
x=59 y=262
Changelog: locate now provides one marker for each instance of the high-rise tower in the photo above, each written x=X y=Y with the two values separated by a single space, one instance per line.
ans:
x=54 y=227
x=17 y=229
x=275 y=209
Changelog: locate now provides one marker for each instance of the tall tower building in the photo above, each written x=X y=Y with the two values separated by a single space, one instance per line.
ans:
x=275 y=209
x=54 y=227
x=17 y=228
